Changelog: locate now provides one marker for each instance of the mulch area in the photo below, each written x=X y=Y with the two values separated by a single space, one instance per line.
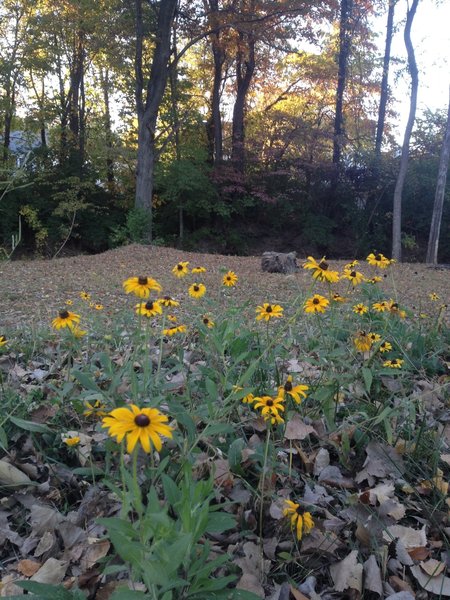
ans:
x=31 y=291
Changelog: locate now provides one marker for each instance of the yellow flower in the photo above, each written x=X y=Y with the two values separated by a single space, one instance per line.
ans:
x=230 y=279
x=269 y=311
x=378 y=260
x=385 y=347
x=95 y=409
x=77 y=332
x=170 y=331
x=65 y=318
x=394 y=308
x=3 y=340
x=85 y=296
x=351 y=265
x=380 y=306
x=394 y=363
x=362 y=341
x=168 y=301
x=98 y=307
x=321 y=270
x=198 y=270
x=297 y=392
x=69 y=302
x=302 y=523
x=433 y=297
x=360 y=309
x=207 y=322
x=375 y=337
x=375 y=279
x=181 y=269
x=141 y=286
x=316 y=304
x=172 y=318
x=248 y=399
x=149 y=309
x=338 y=298
x=71 y=441
x=197 y=290
x=269 y=406
x=143 y=425
x=354 y=276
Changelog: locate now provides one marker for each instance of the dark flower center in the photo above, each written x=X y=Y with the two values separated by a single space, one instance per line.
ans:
x=288 y=386
x=362 y=333
x=228 y=278
x=378 y=257
x=316 y=301
x=298 y=510
x=269 y=309
x=149 y=305
x=142 y=420
x=206 y=321
x=269 y=403
x=180 y=267
x=63 y=314
x=353 y=274
x=394 y=306
x=323 y=265
x=142 y=280
x=394 y=361
x=196 y=288
x=167 y=298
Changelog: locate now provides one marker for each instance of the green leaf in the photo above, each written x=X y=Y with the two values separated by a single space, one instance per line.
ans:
x=126 y=594
x=171 y=491
x=3 y=439
x=235 y=455
x=86 y=381
x=219 y=522
x=211 y=388
x=30 y=426
x=368 y=378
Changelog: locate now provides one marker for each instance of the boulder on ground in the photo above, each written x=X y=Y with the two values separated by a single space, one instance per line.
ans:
x=277 y=262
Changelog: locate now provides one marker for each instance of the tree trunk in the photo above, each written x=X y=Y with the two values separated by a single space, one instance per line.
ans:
x=344 y=51
x=384 y=79
x=433 y=240
x=397 y=208
x=245 y=67
x=148 y=112
x=105 y=84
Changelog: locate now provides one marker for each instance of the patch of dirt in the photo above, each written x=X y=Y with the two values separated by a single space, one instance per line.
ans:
x=31 y=291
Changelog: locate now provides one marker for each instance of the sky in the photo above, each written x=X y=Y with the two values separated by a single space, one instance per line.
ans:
x=431 y=39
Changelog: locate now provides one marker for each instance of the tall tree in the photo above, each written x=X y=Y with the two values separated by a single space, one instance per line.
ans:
x=433 y=240
x=414 y=73
x=148 y=99
x=385 y=78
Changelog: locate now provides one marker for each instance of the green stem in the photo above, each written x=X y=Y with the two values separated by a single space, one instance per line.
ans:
x=261 y=507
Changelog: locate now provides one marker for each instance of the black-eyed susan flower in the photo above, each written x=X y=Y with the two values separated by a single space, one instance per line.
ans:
x=3 y=340
x=381 y=306
x=354 y=276
x=99 y=306
x=351 y=265
x=360 y=309
x=181 y=269
x=301 y=522
x=374 y=280
x=198 y=270
x=144 y=425
x=197 y=290
x=338 y=298
x=68 y=302
x=394 y=363
x=375 y=337
x=395 y=309
x=269 y=311
x=77 y=332
x=141 y=286
x=149 y=308
x=321 y=270
x=297 y=392
x=170 y=331
x=316 y=304
x=172 y=318
x=433 y=297
x=362 y=341
x=385 y=346
x=71 y=441
x=269 y=406
x=230 y=279
x=85 y=296
x=378 y=260
x=168 y=301
x=94 y=409
x=207 y=322
x=65 y=318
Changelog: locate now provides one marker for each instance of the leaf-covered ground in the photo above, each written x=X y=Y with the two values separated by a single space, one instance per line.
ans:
x=367 y=453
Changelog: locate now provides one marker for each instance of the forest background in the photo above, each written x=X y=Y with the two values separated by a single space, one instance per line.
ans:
x=230 y=126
